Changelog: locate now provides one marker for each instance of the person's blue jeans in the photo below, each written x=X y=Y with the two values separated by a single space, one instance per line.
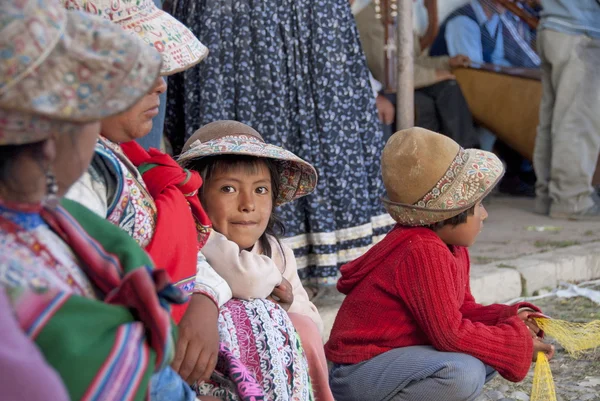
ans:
x=411 y=373
x=167 y=385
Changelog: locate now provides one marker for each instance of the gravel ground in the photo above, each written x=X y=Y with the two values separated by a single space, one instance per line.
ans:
x=575 y=379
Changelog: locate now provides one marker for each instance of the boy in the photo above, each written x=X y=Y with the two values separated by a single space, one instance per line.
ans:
x=409 y=328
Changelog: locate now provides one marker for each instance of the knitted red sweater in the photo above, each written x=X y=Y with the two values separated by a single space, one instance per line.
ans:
x=412 y=289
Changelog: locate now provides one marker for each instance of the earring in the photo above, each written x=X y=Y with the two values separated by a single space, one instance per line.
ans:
x=51 y=198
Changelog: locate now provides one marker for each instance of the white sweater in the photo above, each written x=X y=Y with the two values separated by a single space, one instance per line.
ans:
x=251 y=275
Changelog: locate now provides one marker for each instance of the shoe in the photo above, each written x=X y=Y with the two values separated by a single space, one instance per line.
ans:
x=590 y=214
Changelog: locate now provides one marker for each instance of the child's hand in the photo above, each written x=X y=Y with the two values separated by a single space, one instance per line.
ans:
x=527 y=317
x=283 y=295
x=539 y=346
x=197 y=347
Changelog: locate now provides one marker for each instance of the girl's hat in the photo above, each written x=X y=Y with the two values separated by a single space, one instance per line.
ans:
x=58 y=68
x=298 y=178
x=429 y=178
x=177 y=45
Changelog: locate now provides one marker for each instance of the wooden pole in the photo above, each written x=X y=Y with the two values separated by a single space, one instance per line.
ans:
x=405 y=95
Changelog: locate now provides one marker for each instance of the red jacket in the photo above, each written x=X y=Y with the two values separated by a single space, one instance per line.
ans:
x=413 y=289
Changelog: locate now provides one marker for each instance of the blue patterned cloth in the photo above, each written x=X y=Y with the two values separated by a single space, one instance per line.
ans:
x=294 y=71
x=154 y=138
x=167 y=385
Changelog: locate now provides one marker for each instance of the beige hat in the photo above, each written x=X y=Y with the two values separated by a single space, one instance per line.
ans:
x=429 y=178
x=178 y=46
x=298 y=178
x=58 y=67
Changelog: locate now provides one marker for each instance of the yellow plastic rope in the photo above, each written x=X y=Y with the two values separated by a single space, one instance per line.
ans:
x=543 y=383
x=575 y=338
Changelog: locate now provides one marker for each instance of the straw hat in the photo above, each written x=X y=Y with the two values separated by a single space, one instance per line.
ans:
x=298 y=178
x=65 y=66
x=178 y=46
x=429 y=178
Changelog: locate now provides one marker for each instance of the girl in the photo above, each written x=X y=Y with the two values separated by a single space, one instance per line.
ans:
x=244 y=179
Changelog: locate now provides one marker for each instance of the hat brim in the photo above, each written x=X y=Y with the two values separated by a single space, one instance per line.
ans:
x=94 y=71
x=298 y=178
x=177 y=45
x=480 y=174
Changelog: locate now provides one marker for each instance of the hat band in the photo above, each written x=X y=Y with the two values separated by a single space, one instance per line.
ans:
x=446 y=181
x=122 y=13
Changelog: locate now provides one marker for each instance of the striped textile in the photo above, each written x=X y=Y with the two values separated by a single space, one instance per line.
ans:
x=105 y=348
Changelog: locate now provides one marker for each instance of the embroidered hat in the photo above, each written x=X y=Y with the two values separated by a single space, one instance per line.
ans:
x=177 y=45
x=429 y=178
x=65 y=66
x=298 y=178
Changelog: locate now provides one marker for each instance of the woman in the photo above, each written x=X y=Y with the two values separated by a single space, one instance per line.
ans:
x=113 y=187
x=295 y=72
x=93 y=308
x=154 y=207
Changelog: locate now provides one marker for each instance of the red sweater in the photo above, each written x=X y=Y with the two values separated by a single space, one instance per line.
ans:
x=412 y=289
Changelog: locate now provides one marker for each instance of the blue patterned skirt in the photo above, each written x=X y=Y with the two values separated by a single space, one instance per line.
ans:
x=294 y=71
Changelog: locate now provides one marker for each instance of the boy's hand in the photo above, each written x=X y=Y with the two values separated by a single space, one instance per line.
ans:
x=197 y=347
x=539 y=346
x=283 y=295
x=527 y=317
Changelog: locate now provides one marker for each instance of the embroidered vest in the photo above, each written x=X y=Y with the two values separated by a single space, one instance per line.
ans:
x=130 y=207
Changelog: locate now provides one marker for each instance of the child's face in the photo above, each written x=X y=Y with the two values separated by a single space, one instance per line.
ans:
x=466 y=233
x=239 y=202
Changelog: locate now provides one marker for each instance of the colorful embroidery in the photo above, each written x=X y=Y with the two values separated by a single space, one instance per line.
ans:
x=260 y=334
x=36 y=258
x=65 y=66
x=134 y=209
x=178 y=47
x=470 y=177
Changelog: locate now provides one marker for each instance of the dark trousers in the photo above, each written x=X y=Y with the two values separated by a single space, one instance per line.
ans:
x=442 y=108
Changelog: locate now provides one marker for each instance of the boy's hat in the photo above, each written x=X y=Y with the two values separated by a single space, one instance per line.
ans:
x=58 y=68
x=429 y=178
x=178 y=46
x=298 y=178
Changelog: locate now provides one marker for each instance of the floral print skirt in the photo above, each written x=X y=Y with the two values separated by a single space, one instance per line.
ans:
x=295 y=72
x=262 y=347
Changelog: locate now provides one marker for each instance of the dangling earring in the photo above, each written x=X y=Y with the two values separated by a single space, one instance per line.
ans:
x=51 y=198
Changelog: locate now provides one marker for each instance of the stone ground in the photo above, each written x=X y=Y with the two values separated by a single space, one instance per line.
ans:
x=512 y=230
x=575 y=379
